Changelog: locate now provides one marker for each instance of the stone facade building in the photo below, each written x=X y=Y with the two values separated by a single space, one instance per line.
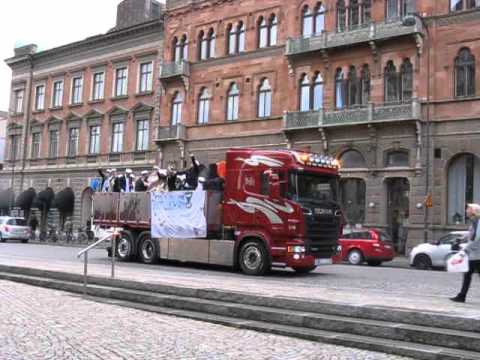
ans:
x=3 y=134
x=86 y=105
x=393 y=96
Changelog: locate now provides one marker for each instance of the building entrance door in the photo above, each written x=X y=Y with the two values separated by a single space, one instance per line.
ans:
x=398 y=200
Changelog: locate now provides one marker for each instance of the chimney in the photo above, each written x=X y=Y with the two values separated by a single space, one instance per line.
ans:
x=132 y=12
x=25 y=50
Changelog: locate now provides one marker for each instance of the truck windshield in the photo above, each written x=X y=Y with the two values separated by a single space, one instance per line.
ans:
x=312 y=187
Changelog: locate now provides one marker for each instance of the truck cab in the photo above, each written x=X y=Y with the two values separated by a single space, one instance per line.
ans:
x=283 y=203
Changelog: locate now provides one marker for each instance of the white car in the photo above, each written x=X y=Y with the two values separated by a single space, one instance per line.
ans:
x=435 y=254
x=13 y=228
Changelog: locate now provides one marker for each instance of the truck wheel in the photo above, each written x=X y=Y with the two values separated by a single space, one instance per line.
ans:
x=304 y=270
x=148 y=248
x=355 y=257
x=125 y=246
x=254 y=259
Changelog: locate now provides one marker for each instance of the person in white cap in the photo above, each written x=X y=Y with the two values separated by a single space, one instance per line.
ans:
x=141 y=185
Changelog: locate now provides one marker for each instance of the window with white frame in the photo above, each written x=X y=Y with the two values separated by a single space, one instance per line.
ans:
x=53 y=144
x=142 y=134
x=40 y=97
x=98 y=86
x=203 y=106
x=19 y=95
x=57 y=99
x=94 y=143
x=121 y=75
x=73 y=136
x=77 y=87
x=117 y=137
x=264 y=99
x=233 y=101
x=177 y=109
x=35 y=147
x=146 y=77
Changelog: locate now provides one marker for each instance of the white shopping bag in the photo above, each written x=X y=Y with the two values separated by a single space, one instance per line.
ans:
x=458 y=263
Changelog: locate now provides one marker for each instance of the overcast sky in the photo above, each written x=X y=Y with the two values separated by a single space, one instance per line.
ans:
x=48 y=23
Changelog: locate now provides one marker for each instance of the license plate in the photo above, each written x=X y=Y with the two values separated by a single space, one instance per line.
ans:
x=319 y=262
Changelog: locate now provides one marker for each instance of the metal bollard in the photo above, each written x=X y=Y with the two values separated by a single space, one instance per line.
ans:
x=114 y=251
x=85 y=257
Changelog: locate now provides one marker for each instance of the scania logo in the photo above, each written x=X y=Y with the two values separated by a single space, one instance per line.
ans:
x=320 y=211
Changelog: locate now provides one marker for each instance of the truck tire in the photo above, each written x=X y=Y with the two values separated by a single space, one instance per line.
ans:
x=125 y=246
x=147 y=248
x=253 y=258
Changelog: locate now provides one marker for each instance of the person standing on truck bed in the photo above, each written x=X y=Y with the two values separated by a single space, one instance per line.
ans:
x=141 y=185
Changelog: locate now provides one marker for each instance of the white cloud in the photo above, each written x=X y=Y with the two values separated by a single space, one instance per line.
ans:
x=48 y=23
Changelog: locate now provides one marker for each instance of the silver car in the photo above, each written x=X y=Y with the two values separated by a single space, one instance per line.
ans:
x=435 y=254
x=13 y=228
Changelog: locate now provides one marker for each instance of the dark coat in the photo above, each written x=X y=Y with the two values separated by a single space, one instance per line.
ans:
x=140 y=185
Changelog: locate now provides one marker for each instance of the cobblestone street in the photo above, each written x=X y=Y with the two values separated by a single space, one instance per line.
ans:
x=44 y=324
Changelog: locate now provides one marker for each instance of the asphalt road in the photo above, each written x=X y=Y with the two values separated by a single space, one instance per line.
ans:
x=354 y=279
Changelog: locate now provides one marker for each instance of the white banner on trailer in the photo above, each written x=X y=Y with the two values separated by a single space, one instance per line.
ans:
x=179 y=215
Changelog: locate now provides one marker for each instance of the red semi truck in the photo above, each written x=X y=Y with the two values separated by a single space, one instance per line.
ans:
x=278 y=209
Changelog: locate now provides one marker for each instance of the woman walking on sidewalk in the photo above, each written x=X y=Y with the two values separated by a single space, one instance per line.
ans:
x=472 y=250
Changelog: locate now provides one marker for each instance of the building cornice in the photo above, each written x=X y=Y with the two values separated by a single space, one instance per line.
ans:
x=93 y=41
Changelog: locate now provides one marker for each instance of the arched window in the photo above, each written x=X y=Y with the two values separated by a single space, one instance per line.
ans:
x=391 y=83
x=465 y=73
x=273 y=31
x=264 y=99
x=397 y=158
x=354 y=14
x=262 y=33
x=319 y=23
x=181 y=48
x=365 y=85
x=353 y=200
x=177 y=109
x=352 y=159
x=211 y=43
x=203 y=106
x=233 y=100
x=318 y=92
x=406 y=80
x=463 y=186
x=307 y=28
x=352 y=87
x=339 y=89
x=232 y=39
x=341 y=15
x=366 y=11
x=305 y=93
x=176 y=49
x=203 y=48
x=241 y=37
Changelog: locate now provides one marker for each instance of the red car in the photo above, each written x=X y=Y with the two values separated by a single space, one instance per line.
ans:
x=370 y=245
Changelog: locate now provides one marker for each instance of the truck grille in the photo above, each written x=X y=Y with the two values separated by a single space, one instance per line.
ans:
x=322 y=234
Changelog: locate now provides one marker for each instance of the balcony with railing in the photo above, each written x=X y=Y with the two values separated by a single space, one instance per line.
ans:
x=174 y=69
x=171 y=133
x=374 y=32
x=371 y=114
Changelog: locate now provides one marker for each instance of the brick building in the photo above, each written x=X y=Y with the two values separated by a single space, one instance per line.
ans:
x=3 y=134
x=86 y=105
x=394 y=97
x=348 y=78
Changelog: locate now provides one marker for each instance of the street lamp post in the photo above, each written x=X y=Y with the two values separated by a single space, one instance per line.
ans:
x=411 y=20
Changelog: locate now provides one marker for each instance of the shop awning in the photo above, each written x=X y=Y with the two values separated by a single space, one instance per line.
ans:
x=7 y=199
x=44 y=199
x=64 y=200
x=25 y=199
